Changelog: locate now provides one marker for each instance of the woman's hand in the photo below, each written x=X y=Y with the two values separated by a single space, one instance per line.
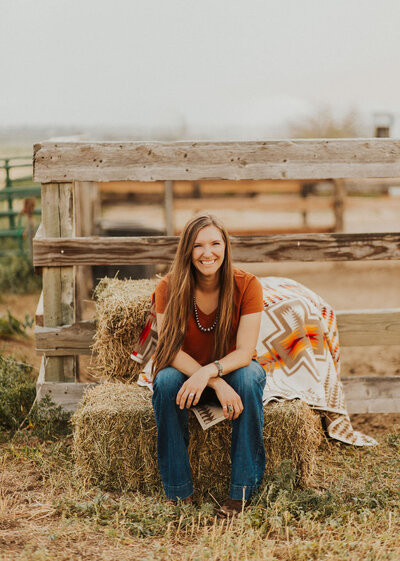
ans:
x=192 y=389
x=231 y=402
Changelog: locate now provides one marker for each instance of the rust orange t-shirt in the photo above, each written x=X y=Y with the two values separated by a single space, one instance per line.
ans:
x=199 y=345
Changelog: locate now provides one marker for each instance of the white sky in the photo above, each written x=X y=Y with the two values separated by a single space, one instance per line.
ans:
x=203 y=64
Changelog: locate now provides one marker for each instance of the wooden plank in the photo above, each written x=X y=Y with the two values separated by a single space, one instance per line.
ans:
x=39 y=312
x=272 y=203
x=169 y=207
x=58 y=282
x=87 y=211
x=356 y=328
x=338 y=206
x=53 y=252
x=372 y=394
x=87 y=207
x=66 y=394
x=366 y=394
x=369 y=327
x=210 y=187
x=271 y=159
x=75 y=339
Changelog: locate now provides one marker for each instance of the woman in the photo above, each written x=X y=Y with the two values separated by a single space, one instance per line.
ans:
x=208 y=320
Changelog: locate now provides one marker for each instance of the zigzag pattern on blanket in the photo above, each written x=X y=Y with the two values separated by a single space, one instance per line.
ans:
x=299 y=347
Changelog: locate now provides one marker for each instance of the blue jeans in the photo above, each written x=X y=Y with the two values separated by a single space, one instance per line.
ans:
x=247 y=444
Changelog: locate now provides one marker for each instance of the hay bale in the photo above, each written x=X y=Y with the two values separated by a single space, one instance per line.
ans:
x=115 y=442
x=122 y=307
x=115 y=438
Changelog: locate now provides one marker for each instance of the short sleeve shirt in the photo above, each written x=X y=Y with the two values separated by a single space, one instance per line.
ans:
x=199 y=345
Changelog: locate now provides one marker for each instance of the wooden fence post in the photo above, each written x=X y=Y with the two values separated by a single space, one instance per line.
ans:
x=169 y=208
x=338 y=204
x=58 y=282
x=87 y=212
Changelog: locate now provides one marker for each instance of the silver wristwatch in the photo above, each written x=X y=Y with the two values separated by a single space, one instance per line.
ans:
x=219 y=366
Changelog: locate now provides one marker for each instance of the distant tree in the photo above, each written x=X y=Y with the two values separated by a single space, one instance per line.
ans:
x=324 y=124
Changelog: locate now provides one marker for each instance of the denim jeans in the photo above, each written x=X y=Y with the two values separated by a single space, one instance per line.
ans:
x=247 y=445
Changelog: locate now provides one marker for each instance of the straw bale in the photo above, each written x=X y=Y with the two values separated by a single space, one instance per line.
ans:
x=122 y=307
x=115 y=437
x=115 y=442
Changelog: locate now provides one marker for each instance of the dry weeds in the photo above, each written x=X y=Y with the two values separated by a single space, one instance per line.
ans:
x=351 y=513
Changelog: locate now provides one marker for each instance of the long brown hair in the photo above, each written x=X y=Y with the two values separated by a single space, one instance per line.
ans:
x=181 y=285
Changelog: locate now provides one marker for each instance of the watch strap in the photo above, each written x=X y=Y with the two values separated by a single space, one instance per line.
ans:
x=219 y=366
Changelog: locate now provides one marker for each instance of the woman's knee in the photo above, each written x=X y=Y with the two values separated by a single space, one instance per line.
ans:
x=248 y=378
x=168 y=382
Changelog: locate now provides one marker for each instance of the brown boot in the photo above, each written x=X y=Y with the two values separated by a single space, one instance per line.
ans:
x=231 y=508
x=186 y=501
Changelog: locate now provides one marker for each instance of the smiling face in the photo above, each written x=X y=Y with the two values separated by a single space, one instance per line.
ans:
x=208 y=250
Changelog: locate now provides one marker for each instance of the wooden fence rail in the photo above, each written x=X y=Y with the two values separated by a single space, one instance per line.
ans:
x=356 y=328
x=64 y=252
x=66 y=241
x=274 y=159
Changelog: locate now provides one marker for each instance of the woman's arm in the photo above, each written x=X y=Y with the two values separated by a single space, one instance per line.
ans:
x=246 y=341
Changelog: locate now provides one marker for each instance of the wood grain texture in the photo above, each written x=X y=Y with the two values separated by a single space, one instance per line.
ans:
x=280 y=203
x=356 y=328
x=169 y=208
x=369 y=327
x=271 y=159
x=87 y=212
x=53 y=252
x=372 y=394
x=363 y=394
x=204 y=187
x=73 y=339
x=339 y=202
x=66 y=394
x=58 y=282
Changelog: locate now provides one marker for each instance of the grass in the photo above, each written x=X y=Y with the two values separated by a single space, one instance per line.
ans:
x=18 y=408
x=48 y=513
x=10 y=326
x=351 y=513
x=17 y=274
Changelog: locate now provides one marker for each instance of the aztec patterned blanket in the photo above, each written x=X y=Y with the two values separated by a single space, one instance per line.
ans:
x=298 y=346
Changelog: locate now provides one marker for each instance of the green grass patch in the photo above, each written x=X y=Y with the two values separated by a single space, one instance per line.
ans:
x=10 y=326
x=17 y=392
x=18 y=409
x=17 y=275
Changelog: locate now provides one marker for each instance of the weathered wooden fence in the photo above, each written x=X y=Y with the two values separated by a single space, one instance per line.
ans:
x=65 y=242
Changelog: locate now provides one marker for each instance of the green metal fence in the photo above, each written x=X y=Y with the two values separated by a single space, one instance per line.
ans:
x=20 y=187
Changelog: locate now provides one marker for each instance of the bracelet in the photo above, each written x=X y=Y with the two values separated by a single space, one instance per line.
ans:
x=219 y=366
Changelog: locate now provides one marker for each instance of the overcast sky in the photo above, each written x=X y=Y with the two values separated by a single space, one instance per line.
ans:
x=195 y=64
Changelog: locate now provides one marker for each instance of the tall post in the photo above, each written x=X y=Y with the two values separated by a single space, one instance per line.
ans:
x=169 y=208
x=338 y=204
x=58 y=282
x=87 y=212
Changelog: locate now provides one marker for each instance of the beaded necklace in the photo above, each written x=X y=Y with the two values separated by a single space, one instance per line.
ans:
x=196 y=317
